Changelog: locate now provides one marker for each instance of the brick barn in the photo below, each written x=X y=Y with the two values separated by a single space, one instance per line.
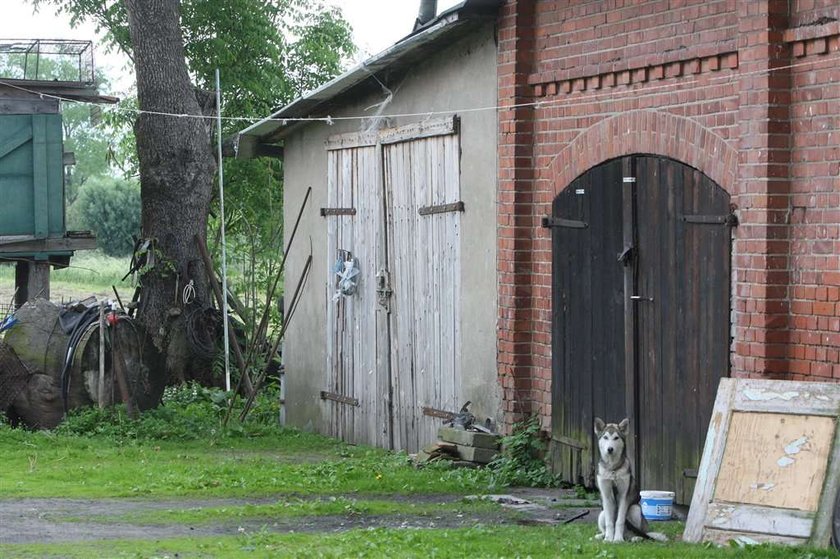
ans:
x=668 y=214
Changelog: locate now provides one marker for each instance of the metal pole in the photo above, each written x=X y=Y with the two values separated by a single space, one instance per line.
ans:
x=222 y=225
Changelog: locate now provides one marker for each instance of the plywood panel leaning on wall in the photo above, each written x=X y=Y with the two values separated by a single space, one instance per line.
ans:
x=770 y=465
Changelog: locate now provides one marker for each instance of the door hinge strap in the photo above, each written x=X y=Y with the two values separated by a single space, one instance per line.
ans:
x=560 y=222
x=340 y=398
x=337 y=211
x=433 y=412
x=730 y=220
x=568 y=441
x=442 y=208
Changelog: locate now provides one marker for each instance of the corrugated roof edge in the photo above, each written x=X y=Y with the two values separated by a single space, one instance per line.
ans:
x=248 y=138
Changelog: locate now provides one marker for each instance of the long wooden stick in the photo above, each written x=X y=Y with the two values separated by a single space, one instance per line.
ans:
x=244 y=378
x=267 y=311
x=292 y=307
x=119 y=372
x=101 y=394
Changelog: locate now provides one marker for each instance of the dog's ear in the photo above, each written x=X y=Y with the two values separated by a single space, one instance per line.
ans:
x=624 y=426
x=599 y=425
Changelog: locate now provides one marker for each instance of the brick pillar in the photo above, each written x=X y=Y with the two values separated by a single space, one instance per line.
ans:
x=762 y=263
x=516 y=216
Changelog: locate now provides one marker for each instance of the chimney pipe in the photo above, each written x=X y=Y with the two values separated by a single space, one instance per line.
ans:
x=428 y=11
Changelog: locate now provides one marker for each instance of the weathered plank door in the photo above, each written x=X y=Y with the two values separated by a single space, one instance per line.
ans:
x=31 y=179
x=393 y=346
x=641 y=314
x=588 y=315
x=357 y=395
x=423 y=194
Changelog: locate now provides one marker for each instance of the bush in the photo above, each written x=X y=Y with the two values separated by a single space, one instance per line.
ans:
x=188 y=412
x=110 y=208
x=521 y=460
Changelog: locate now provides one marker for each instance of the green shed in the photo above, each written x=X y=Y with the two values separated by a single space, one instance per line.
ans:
x=36 y=76
x=31 y=177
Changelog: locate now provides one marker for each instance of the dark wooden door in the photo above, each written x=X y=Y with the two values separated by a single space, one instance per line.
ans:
x=588 y=315
x=641 y=314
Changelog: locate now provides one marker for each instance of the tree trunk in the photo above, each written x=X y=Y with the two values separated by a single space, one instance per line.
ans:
x=176 y=172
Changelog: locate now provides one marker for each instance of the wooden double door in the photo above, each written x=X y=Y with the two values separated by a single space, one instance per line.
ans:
x=641 y=315
x=393 y=345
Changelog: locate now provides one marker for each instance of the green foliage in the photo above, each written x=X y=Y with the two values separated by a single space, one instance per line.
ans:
x=521 y=460
x=188 y=412
x=110 y=208
x=268 y=52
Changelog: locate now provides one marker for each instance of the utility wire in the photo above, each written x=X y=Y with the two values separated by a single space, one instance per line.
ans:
x=570 y=99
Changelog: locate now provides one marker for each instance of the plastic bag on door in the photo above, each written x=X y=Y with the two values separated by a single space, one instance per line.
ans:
x=347 y=274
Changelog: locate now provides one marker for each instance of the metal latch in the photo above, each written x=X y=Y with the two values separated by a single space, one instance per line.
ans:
x=626 y=257
x=383 y=288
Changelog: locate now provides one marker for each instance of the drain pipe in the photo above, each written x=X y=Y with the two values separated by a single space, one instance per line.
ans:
x=428 y=11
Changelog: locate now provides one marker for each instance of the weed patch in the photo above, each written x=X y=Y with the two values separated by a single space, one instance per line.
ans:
x=521 y=461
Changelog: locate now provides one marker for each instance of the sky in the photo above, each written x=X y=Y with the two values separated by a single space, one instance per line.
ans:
x=377 y=24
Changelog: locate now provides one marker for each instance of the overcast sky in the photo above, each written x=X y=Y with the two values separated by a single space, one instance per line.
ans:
x=376 y=25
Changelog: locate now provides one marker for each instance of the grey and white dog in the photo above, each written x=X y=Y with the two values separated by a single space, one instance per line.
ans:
x=620 y=498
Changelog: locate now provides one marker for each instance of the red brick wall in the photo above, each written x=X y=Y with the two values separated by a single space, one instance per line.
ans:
x=814 y=212
x=731 y=87
x=807 y=12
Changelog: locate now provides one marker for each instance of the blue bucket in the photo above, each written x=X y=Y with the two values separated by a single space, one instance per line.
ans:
x=657 y=505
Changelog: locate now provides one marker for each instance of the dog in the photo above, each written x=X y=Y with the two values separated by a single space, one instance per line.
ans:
x=620 y=497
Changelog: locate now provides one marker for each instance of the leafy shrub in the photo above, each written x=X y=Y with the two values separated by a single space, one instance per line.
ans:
x=521 y=460
x=110 y=208
x=188 y=412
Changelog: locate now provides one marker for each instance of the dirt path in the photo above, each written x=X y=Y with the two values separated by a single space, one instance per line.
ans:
x=74 y=520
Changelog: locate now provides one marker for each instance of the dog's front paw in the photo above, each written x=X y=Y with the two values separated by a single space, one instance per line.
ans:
x=618 y=538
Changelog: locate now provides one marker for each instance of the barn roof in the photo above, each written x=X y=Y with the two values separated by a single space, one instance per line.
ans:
x=449 y=26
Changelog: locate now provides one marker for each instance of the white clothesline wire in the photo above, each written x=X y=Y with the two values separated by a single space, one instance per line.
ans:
x=569 y=99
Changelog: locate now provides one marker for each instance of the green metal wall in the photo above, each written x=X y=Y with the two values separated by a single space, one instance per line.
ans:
x=31 y=176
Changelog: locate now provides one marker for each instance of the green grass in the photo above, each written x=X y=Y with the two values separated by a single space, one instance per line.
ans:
x=182 y=450
x=475 y=542
x=88 y=270
x=292 y=508
x=94 y=270
x=50 y=465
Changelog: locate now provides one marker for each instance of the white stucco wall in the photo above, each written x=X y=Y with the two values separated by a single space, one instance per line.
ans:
x=463 y=76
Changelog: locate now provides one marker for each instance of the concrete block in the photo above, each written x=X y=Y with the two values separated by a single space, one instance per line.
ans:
x=468 y=438
x=473 y=454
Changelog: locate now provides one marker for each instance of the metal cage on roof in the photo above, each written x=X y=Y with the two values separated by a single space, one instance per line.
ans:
x=47 y=60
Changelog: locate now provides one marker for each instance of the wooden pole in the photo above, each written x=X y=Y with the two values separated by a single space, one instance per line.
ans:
x=217 y=291
x=119 y=372
x=101 y=354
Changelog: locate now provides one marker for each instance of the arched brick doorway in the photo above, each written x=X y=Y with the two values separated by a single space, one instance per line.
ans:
x=641 y=305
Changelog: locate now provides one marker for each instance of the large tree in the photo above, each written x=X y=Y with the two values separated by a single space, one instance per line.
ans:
x=174 y=45
x=176 y=164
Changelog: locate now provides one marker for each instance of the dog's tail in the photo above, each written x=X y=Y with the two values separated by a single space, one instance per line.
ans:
x=655 y=536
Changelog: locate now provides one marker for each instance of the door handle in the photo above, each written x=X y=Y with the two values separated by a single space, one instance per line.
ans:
x=641 y=298
x=383 y=288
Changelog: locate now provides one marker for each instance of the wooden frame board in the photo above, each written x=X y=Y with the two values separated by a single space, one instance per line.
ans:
x=770 y=464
